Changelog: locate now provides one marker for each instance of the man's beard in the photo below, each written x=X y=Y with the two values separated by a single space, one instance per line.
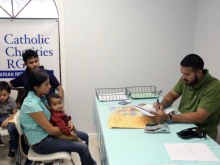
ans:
x=193 y=82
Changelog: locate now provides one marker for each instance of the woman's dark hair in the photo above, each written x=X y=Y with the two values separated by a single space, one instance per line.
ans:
x=194 y=61
x=53 y=95
x=4 y=86
x=36 y=78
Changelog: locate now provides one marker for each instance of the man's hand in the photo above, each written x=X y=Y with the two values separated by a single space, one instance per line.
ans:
x=160 y=116
x=158 y=106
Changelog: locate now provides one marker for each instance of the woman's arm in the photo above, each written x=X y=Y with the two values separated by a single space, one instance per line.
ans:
x=42 y=120
x=60 y=91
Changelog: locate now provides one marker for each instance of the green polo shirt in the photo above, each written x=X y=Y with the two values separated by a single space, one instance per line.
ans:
x=205 y=95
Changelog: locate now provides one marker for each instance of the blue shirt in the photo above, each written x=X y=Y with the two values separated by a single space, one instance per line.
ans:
x=22 y=80
x=32 y=130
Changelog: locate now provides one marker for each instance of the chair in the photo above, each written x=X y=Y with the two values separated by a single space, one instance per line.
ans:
x=14 y=94
x=39 y=158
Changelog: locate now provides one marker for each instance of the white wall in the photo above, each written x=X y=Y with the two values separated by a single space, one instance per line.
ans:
x=117 y=43
x=207 y=36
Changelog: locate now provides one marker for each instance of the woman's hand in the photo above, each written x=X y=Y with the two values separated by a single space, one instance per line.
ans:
x=44 y=123
x=70 y=125
x=4 y=123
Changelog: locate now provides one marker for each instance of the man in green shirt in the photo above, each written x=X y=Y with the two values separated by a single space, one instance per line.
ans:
x=200 y=102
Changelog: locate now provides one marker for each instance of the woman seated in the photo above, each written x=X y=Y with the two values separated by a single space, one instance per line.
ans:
x=35 y=116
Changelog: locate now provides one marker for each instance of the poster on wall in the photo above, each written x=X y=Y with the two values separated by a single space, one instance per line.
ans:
x=17 y=35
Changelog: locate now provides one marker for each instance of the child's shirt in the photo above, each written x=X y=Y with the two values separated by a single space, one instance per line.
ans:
x=7 y=106
x=60 y=119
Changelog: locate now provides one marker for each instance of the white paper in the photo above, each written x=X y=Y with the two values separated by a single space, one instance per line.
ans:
x=112 y=97
x=146 y=109
x=190 y=152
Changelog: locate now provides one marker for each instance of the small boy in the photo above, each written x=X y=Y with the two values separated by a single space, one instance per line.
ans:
x=7 y=111
x=60 y=119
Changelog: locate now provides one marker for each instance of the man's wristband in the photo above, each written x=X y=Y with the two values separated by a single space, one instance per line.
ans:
x=170 y=120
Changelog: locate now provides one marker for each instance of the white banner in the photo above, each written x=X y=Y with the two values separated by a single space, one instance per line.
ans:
x=18 y=35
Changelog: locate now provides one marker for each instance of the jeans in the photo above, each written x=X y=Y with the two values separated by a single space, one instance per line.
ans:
x=52 y=144
x=13 y=139
x=25 y=149
x=83 y=136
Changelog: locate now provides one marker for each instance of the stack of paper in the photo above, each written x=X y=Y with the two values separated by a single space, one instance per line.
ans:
x=146 y=109
x=144 y=95
x=112 y=97
x=190 y=151
x=124 y=111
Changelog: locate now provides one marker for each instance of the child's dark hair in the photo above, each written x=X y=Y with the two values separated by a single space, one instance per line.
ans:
x=53 y=95
x=28 y=54
x=36 y=78
x=4 y=86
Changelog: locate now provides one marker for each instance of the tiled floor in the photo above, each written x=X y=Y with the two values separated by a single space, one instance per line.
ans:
x=92 y=146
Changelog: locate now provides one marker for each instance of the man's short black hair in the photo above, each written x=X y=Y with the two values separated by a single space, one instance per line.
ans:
x=28 y=54
x=53 y=95
x=194 y=61
x=4 y=86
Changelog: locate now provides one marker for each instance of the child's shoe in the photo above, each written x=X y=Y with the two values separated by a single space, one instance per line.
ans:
x=11 y=154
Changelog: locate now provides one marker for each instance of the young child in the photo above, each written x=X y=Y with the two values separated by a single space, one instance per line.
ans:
x=7 y=111
x=60 y=119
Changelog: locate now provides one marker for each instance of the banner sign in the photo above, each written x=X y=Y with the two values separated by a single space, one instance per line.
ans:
x=18 y=35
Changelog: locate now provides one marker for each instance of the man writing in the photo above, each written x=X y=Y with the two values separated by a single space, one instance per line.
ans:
x=200 y=102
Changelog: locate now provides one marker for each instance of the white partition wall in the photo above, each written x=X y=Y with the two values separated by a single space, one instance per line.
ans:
x=117 y=43
x=207 y=36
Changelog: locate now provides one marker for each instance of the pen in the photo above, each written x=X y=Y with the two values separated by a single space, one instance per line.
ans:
x=158 y=102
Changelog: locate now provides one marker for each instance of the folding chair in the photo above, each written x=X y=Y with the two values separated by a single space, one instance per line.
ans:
x=39 y=158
